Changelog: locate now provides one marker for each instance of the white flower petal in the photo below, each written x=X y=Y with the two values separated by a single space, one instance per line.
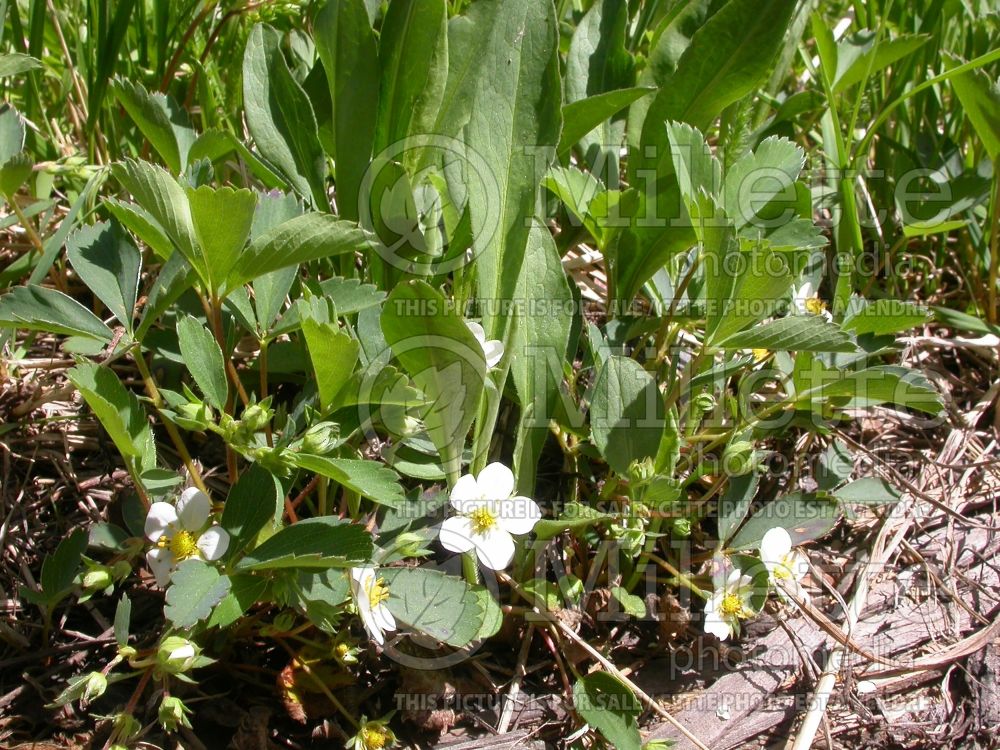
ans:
x=717 y=626
x=384 y=617
x=193 y=508
x=161 y=516
x=362 y=576
x=495 y=548
x=213 y=543
x=371 y=624
x=161 y=562
x=456 y=534
x=518 y=515
x=493 y=351
x=775 y=544
x=182 y=653
x=465 y=494
x=496 y=482
x=477 y=330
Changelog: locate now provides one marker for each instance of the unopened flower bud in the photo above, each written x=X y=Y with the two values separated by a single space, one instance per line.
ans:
x=98 y=578
x=93 y=688
x=176 y=655
x=173 y=713
x=641 y=472
x=255 y=418
x=321 y=438
x=704 y=402
x=125 y=727
x=738 y=458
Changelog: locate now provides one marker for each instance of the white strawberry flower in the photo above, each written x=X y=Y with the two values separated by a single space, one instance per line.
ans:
x=729 y=603
x=488 y=513
x=370 y=595
x=492 y=349
x=785 y=566
x=805 y=301
x=182 y=531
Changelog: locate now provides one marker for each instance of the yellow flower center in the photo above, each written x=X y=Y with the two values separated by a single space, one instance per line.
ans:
x=373 y=738
x=182 y=545
x=378 y=592
x=731 y=605
x=815 y=306
x=761 y=354
x=483 y=519
x=784 y=569
x=342 y=649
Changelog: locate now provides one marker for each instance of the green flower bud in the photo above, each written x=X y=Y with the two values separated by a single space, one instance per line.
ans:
x=127 y=652
x=641 y=472
x=255 y=418
x=173 y=713
x=196 y=412
x=738 y=458
x=125 y=727
x=98 y=578
x=682 y=527
x=94 y=687
x=321 y=438
x=176 y=655
x=704 y=402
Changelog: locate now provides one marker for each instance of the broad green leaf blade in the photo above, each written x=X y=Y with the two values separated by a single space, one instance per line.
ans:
x=413 y=57
x=596 y=63
x=539 y=349
x=195 y=588
x=980 y=99
x=626 y=414
x=368 y=478
x=165 y=201
x=244 y=591
x=755 y=294
x=255 y=500
x=443 y=358
x=11 y=133
x=727 y=57
x=607 y=704
x=37 y=308
x=280 y=118
x=834 y=466
x=222 y=219
x=577 y=190
x=434 y=603
x=735 y=502
x=15 y=63
x=204 y=360
x=885 y=316
x=60 y=568
x=868 y=491
x=176 y=276
x=142 y=224
x=516 y=114
x=350 y=296
x=105 y=259
x=797 y=333
x=346 y=45
x=699 y=173
x=159 y=120
x=308 y=237
x=118 y=410
x=333 y=354
x=761 y=176
x=858 y=56
x=580 y=117
x=804 y=516
x=313 y=543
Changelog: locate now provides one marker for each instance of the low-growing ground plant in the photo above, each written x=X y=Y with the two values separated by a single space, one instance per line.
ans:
x=373 y=413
